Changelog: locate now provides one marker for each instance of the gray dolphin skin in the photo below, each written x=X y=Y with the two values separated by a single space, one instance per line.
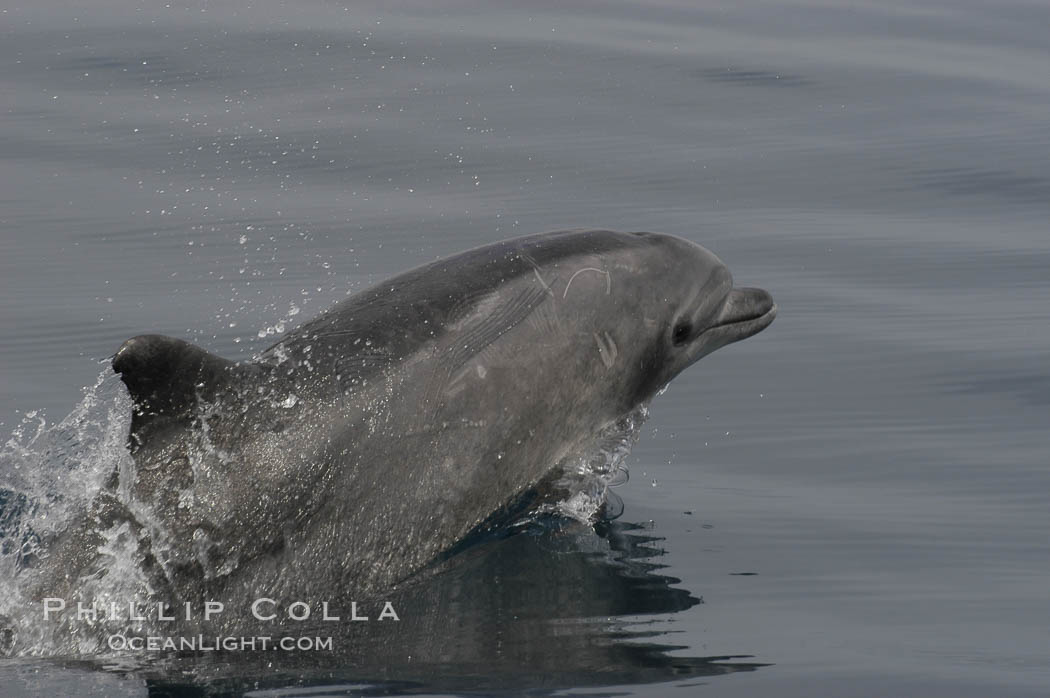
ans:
x=376 y=436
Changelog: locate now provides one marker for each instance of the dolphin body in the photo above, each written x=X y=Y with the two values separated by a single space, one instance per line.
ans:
x=376 y=436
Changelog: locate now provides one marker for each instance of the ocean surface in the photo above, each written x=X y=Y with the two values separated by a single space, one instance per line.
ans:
x=855 y=502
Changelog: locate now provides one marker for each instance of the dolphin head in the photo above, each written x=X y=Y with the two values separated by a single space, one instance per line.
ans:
x=686 y=308
x=711 y=312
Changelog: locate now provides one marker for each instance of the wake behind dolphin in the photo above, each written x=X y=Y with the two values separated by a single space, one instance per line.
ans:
x=377 y=436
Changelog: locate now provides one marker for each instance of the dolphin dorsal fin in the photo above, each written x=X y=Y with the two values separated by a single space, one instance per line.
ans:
x=167 y=377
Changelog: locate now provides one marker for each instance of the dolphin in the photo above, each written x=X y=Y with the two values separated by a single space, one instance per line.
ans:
x=375 y=437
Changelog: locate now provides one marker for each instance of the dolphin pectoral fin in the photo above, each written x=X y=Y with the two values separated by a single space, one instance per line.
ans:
x=167 y=378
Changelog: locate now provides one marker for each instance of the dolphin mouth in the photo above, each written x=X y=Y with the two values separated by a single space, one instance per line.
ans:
x=745 y=312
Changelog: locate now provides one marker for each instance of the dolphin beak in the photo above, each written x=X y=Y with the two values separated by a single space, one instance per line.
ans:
x=745 y=312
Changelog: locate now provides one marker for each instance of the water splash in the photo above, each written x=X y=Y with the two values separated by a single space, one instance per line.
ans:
x=64 y=465
x=49 y=475
x=589 y=476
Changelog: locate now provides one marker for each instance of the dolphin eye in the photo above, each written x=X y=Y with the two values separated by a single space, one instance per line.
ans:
x=681 y=333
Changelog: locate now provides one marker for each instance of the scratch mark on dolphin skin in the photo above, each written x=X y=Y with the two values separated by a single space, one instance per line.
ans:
x=470 y=305
x=607 y=350
x=536 y=270
x=500 y=317
x=608 y=280
x=542 y=282
x=503 y=318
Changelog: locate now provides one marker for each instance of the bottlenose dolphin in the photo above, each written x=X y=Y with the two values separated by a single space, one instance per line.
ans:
x=371 y=439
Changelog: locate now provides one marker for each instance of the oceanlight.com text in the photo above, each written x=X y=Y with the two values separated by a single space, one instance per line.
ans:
x=202 y=643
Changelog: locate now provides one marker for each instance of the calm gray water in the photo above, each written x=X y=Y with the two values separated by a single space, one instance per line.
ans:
x=854 y=502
